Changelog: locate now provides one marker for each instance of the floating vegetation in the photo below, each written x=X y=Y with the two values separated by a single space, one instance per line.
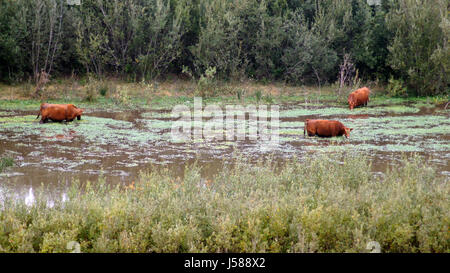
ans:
x=101 y=131
x=123 y=142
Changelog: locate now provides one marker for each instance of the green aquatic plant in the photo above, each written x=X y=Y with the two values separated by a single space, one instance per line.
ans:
x=100 y=131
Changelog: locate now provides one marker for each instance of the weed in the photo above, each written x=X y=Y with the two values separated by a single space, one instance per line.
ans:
x=5 y=162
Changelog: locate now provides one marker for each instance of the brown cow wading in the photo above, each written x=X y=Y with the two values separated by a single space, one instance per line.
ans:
x=358 y=97
x=59 y=112
x=326 y=128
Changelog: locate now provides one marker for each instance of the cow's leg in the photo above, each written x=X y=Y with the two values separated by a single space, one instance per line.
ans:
x=78 y=117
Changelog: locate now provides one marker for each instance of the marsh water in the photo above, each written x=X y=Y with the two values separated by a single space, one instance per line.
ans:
x=117 y=145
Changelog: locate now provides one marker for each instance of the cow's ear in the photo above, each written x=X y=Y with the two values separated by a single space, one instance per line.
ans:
x=351 y=129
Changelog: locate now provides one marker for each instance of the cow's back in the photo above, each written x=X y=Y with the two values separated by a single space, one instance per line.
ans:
x=363 y=95
x=55 y=112
x=323 y=128
x=328 y=128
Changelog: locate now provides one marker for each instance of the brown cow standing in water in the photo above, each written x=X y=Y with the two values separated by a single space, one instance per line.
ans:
x=59 y=112
x=358 y=97
x=326 y=128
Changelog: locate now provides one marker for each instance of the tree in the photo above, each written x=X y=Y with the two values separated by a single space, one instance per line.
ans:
x=345 y=26
x=218 y=43
x=46 y=28
x=306 y=56
x=12 y=61
x=158 y=41
x=419 y=52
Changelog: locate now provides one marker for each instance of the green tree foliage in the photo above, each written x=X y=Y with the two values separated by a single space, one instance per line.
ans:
x=218 y=43
x=265 y=53
x=139 y=37
x=298 y=41
x=11 y=57
x=306 y=52
x=379 y=38
x=419 y=52
x=31 y=35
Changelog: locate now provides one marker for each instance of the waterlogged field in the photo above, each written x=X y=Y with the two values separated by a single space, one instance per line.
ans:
x=117 y=144
x=117 y=181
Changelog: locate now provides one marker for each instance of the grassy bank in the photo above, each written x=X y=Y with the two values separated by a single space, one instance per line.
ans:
x=113 y=94
x=316 y=206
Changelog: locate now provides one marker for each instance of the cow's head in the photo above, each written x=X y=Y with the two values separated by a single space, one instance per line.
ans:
x=351 y=102
x=347 y=131
x=79 y=113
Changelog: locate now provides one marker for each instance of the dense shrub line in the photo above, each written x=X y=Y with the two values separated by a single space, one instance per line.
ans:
x=295 y=41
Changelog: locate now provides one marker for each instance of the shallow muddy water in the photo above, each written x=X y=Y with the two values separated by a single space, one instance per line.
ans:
x=118 y=145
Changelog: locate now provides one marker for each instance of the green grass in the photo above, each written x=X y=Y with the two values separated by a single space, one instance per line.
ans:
x=5 y=162
x=141 y=98
x=319 y=205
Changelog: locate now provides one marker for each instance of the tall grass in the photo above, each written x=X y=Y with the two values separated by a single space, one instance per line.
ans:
x=5 y=162
x=326 y=204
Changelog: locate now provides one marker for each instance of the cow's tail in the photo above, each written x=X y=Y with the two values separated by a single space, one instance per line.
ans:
x=40 y=110
x=304 y=128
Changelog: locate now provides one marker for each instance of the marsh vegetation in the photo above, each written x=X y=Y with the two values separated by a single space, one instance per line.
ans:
x=324 y=204
x=116 y=181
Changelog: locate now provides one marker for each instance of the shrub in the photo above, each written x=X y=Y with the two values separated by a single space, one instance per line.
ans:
x=258 y=95
x=206 y=85
x=121 y=96
x=419 y=50
x=103 y=90
x=324 y=204
x=396 y=88
x=91 y=92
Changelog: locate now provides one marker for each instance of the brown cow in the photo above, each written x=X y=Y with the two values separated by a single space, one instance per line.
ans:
x=358 y=97
x=326 y=128
x=59 y=112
